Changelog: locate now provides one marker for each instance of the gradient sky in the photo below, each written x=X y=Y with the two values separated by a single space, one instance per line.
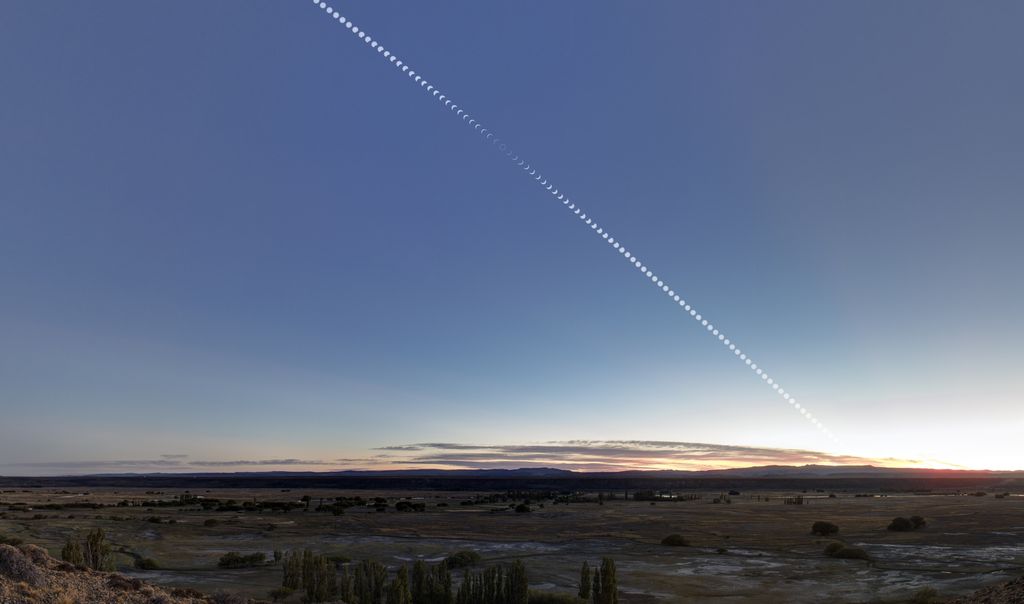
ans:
x=229 y=231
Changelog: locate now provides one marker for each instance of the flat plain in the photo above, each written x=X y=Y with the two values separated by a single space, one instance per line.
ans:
x=754 y=549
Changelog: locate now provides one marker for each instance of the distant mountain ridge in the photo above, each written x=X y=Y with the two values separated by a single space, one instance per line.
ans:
x=771 y=471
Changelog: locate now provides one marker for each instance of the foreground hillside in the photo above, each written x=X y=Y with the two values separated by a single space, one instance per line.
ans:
x=1011 y=592
x=28 y=575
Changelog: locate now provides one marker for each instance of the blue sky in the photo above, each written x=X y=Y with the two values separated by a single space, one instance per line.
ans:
x=231 y=231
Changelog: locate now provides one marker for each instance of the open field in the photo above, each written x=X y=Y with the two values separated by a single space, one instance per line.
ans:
x=749 y=550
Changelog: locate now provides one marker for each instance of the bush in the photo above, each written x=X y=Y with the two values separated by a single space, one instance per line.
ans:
x=925 y=595
x=901 y=524
x=523 y=508
x=853 y=553
x=675 y=540
x=907 y=524
x=146 y=564
x=38 y=555
x=5 y=540
x=824 y=529
x=211 y=522
x=462 y=559
x=840 y=550
x=227 y=598
x=72 y=553
x=123 y=583
x=548 y=597
x=281 y=593
x=236 y=560
x=16 y=566
x=96 y=551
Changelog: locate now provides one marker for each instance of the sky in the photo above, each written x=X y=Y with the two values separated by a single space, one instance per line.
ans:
x=233 y=236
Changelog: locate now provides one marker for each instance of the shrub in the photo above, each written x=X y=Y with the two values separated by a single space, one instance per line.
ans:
x=281 y=593
x=236 y=560
x=97 y=551
x=548 y=597
x=123 y=583
x=854 y=553
x=925 y=595
x=824 y=529
x=462 y=559
x=16 y=566
x=186 y=592
x=675 y=540
x=840 y=550
x=38 y=555
x=523 y=508
x=146 y=564
x=211 y=522
x=5 y=540
x=907 y=524
x=72 y=553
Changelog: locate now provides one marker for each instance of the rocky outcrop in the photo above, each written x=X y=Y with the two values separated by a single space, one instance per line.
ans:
x=29 y=575
x=1011 y=592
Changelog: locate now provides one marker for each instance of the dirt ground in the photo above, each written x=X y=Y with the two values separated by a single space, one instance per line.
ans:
x=750 y=550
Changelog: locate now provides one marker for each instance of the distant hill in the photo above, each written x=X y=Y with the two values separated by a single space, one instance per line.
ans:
x=850 y=478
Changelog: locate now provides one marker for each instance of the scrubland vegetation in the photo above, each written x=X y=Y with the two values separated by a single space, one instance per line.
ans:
x=459 y=548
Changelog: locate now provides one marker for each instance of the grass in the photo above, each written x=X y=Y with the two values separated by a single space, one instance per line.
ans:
x=553 y=541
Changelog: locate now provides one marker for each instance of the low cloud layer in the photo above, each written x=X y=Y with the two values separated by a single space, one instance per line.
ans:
x=613 y=455
x=579 y=455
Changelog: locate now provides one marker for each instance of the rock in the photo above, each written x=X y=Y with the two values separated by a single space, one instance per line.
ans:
x=1011 y=592
x=29 y=575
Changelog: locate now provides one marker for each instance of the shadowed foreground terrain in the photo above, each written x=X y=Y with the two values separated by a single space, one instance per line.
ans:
x=749 y=546
x=29 y=575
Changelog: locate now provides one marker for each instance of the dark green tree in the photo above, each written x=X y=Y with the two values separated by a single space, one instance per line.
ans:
x=584 y=591
x=96 y=551
x=346 y=586
x=291 y=571
x=370 y=582
x=517 y=586
x=419 y=582
x=72 y=552
x=398 y=590
x=323 y=580
x=609 y=585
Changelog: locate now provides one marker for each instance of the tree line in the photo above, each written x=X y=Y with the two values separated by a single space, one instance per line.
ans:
x=369 y=582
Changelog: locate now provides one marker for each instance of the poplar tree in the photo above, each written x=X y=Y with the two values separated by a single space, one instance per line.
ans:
x=292 y=571
x=517 y=584
x=609 y=585
x=96 y=552
x=584 y=592
x=419 y=583
x=398 y=590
